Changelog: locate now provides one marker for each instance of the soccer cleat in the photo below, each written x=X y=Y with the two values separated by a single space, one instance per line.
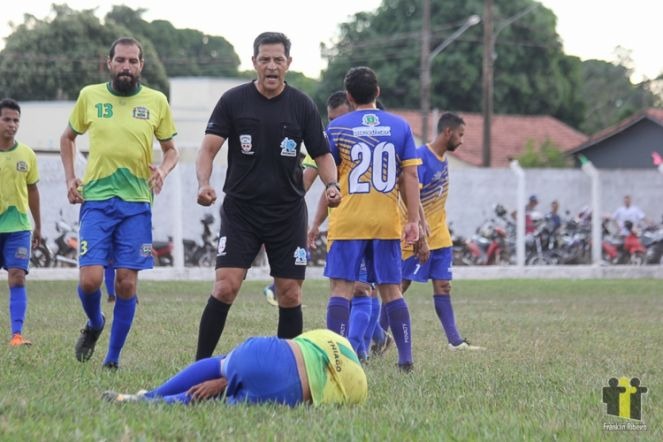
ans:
x=465 y=346
x=112 y=396
x=18 y=340
x=87 y=341
x=407 y=367
x=379 y=349
x=270 y=295
x=111 y=365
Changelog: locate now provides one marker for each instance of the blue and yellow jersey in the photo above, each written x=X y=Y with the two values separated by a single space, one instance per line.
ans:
x=334 y=372
x=121 y=131
x=371 y=147
x=18 y=169
x=434 y=180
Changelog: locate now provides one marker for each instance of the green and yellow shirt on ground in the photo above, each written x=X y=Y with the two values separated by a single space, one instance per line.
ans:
x=334 y=372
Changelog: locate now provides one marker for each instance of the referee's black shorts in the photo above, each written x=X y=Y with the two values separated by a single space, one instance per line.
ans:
x=282 y=229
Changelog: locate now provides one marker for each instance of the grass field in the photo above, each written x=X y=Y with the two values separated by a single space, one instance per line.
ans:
x=552 y=346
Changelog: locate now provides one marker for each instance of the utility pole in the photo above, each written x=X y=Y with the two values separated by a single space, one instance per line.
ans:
x=427 y=57
x=425 y=70
x=487 y=80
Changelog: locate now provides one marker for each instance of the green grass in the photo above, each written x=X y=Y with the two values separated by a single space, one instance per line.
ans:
x=552 y=346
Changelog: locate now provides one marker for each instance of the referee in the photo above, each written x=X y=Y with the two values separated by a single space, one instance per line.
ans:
x=265 y=122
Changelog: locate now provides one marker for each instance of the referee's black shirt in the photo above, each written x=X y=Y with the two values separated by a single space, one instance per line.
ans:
x=264 y=141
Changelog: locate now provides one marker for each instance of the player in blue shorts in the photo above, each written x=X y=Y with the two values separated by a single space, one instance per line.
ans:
x=122 y=118
x=317 y=367
x=372 y=148
x=18 y=195
x=434 y=178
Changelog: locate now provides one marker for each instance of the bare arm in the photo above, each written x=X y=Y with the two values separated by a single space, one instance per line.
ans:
x=209 y=148
x=410 y=192
x=329 y=176
x=319 y=218
x=67 y=155
x=170 y=157
x=33 y=202
x=310 y=174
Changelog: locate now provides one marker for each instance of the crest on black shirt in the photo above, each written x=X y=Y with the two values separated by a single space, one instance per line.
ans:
x=246 y=144
x=288 y=147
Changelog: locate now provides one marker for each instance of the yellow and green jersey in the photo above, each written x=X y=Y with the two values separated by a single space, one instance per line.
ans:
x=334 y=372
x=309 y=162
x=121 y=130
x=18 y=169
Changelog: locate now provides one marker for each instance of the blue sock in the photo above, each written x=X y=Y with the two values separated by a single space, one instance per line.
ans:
x=200 y=371
x=399 y=321
x=376 y=332
x=445 y=313
x=109 y=280
x=338 y=313
x=181 y=398
x=92 y=307
x=123 y=316
x=360 y=316
x=18 y=304
x=384 y=320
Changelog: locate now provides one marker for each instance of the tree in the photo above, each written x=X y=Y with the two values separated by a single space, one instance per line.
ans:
x=184 y=52
x=547 y=155
x=610 y=95
x=49 y=60
x=532 y=74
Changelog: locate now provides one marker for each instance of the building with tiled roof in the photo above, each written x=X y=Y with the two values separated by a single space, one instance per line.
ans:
x=628 y=144
x=510 y=135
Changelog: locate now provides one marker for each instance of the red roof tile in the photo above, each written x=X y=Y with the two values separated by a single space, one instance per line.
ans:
x=510 y=134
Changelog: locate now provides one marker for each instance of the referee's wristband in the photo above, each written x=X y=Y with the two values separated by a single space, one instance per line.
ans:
x=335 y=184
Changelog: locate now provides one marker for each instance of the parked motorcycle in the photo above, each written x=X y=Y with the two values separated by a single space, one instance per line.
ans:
x=66 y=244
x=41 y=256
x=202 y=255
x=162 y=251
x=652 y=239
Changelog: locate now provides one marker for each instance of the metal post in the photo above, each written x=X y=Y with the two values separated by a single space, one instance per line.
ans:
x=594 y=175
x=520 y=212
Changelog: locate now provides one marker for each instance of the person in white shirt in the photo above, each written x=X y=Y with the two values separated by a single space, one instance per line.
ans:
x=628 y=212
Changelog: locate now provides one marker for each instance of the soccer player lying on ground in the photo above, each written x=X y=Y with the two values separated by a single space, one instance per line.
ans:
x=316 y=367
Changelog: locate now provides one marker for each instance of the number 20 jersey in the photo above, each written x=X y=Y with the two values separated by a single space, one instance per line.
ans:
x=370 y=147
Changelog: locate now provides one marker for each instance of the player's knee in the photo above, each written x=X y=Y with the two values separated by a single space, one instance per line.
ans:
x=361 y=289
x=443 y=287
x=225 y=291
x=16 y=277
x=289 y=295
x=89 y=283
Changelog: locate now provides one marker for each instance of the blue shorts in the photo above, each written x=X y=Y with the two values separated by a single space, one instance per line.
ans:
x=437 y=268
x=381 y=256
x=15 y=250
x=116 y=230
x=262 y=369
x=363 y=274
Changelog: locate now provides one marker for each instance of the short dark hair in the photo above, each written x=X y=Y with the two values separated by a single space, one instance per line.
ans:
x=10 y=103
x=362 y=84
x=449 y=120
x=337 y=99
x=125 y=41
x=267 y=38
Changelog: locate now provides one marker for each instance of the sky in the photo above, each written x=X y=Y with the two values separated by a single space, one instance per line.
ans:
x=590 y=29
